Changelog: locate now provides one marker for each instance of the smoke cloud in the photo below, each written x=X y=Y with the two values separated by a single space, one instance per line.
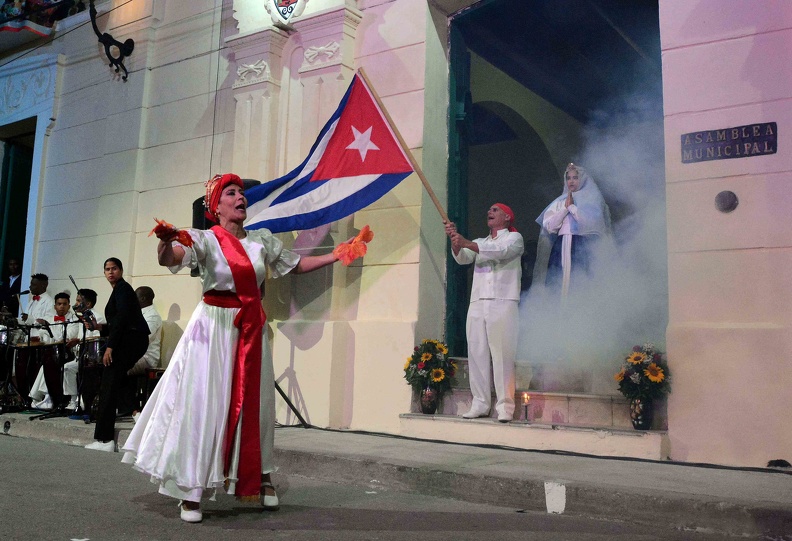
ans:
x=577 y=346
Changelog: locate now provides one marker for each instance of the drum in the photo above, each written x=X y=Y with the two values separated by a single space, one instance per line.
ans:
x=28 y=359
x=89 y=374
x=53 y=357
x=92 y=351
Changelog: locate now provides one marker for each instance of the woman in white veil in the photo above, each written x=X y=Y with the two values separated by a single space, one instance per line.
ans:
x=571 y=226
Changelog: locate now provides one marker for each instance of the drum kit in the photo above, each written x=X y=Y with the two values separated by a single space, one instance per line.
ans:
x=23 y=354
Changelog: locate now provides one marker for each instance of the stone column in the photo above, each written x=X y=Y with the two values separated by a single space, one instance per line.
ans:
x=328 y=40
x=256 y=93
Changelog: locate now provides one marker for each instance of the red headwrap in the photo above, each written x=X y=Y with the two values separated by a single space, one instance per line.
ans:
x=510 y=213
x=214 y=188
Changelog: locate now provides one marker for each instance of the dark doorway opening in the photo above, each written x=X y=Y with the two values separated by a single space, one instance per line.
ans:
x=16 y=144
x=530 y=82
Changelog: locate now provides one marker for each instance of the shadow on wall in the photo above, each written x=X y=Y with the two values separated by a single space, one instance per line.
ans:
x=171 y=334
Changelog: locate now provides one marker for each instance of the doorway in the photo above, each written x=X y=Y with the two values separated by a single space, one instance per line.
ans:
x=16 y=145
x=535 y=86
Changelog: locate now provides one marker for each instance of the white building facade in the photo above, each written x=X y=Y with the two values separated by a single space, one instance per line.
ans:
x=216 y=86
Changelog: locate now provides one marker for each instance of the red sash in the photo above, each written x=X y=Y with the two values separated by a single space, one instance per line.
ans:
x=246 y=384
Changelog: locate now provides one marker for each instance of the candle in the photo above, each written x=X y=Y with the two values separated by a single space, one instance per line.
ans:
x=526 y=398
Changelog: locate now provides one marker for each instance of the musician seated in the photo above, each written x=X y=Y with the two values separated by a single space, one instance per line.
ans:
x=63 y=325
x=75 y=332
x=40 y=303
x=151 y=358
x=86 y=301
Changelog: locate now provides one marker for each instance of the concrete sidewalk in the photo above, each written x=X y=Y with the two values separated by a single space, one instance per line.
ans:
x=728 y=501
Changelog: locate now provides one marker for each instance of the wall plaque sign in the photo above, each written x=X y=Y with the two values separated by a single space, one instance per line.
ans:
x=728 y=143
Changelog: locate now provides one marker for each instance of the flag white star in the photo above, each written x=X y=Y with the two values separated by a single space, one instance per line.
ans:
x=362 y=142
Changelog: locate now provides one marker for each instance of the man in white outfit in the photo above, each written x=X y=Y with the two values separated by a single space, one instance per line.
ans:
x=492 y=320
x=151 y=359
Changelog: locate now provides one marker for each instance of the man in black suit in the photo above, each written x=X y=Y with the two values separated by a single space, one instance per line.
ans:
x=10 y=288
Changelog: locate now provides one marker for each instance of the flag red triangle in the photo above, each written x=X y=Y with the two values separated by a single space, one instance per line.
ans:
x=362 y=143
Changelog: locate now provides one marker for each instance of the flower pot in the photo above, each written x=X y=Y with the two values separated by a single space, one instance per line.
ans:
x=429 y=400
x=641 y=413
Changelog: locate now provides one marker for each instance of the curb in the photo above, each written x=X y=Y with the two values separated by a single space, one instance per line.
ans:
x=676 y=511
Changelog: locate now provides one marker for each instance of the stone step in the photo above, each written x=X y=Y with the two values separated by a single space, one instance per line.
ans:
x=611 y=442
x=578 y=409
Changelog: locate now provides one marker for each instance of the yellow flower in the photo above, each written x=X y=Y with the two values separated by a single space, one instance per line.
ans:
x=426 y=357
x=636 y=357
x=407 y=364
x=442 y=349
x=438 y=374
x=620 y=375
x=654 y=373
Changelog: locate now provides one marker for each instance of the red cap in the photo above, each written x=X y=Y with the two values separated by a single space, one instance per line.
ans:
x=510 y=213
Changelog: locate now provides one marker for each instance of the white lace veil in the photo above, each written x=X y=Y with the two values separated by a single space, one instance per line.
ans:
x=593 y=213
x=593 y=219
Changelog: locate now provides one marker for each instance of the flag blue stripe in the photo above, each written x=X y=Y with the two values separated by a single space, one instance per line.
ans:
x=336 y=211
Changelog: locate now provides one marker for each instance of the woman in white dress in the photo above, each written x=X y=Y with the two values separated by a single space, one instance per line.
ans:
x=210 y=420
x=575 y=221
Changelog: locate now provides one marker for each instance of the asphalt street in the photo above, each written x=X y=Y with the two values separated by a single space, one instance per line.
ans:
x=54 y=491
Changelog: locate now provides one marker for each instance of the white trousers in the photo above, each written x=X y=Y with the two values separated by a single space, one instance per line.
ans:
x=492 y=339
x=39 y=388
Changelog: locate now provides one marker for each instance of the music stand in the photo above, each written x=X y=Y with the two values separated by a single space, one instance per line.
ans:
x=303 y=422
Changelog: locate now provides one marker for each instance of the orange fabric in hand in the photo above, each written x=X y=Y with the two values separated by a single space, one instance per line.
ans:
x=350 y=251
x=165 y=231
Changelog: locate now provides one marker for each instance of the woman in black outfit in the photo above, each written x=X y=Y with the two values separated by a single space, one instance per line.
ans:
x=127 y=340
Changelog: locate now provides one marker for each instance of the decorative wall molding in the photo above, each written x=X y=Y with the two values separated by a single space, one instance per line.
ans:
x=327 y=51
x=26 y=86
x=250 y=74
x=328 y=38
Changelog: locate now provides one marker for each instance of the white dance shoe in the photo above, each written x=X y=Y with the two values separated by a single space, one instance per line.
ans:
x=190 y=515
x=45 y=404
x=269 y=503
x=108 y=446
x=473 y=414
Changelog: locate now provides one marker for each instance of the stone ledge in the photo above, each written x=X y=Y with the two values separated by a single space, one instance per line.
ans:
x=611 y=441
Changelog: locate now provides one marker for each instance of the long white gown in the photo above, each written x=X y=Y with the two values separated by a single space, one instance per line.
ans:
x=178 y=438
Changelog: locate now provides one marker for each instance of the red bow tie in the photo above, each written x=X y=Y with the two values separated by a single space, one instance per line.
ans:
x=36 y=297
x=60 y=318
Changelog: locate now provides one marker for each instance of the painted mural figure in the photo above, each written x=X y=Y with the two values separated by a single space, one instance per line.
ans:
x=210 y=421
x=492 y=319
x=574 y=222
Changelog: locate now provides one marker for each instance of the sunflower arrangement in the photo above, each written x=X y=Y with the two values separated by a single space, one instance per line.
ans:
x=429 y=368
x=644 y=373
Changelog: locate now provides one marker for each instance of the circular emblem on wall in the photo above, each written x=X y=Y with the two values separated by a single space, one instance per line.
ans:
x=283 y=11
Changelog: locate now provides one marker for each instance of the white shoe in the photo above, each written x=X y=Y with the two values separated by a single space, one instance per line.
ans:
x=190 y=515
x=108 y=446
x=135 y=416
x=269 y=503
x=473 y=415
x=45 y=404
x=72 y=405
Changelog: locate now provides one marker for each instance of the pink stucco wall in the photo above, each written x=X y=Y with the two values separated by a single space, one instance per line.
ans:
x=730 y=293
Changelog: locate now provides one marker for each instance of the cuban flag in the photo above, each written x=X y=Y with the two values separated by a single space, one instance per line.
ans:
x=356 y=160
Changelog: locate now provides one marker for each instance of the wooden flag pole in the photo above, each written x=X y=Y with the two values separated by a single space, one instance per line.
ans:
x=416 y=167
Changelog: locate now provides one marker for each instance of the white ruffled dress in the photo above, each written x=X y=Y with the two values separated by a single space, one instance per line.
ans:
x=178 y=438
